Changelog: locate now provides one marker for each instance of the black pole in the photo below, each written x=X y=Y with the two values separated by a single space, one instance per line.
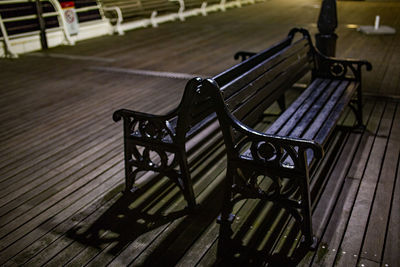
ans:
x=327 y=23
x=42 y=24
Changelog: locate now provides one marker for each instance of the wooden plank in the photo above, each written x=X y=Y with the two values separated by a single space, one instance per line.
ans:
x=149 y=241
x=61 y=210
x=353 y=236
x=89 y=253
x=58 y=128
x=374 y=238
x=365 y=262
x=57 y=238
x=57 y=180
x=55 y=138
x=332 y=233
x=64 y=253
x=392 y=243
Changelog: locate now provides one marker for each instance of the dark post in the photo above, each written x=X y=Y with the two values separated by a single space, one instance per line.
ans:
x=42 y=24
x=327 y=23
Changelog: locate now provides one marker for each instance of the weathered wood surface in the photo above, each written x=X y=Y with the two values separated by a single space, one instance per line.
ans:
x=61 y=169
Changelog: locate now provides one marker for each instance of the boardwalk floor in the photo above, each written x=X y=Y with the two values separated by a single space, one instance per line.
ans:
x=61 y=160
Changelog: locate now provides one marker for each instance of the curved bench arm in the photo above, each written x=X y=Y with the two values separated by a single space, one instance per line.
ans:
x=329 y=67
x=146 y=126
x=274 y=149
x=265 y=148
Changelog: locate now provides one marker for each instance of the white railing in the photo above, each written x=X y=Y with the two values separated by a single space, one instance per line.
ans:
x=119 y=17
x=59 y=13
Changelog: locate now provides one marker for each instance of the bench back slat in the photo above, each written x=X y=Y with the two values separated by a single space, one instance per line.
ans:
x=250 y=116
x=270 y=89
x=227 y=76
x=276 y=64
x=197 y=105
x=277 y=80
x=239 y=93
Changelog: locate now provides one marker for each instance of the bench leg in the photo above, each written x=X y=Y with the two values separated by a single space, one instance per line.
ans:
x=356 y=107
x=282 y=103
x=130 y=177
x=306 y=225
x=226 y=218
x=186 y=181
x=130 y=174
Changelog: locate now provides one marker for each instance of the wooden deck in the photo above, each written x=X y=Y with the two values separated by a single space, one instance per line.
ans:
x=61 y=159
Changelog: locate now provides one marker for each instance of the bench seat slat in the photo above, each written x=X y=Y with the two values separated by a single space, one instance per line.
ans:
x=279 y=122
x=319 y=124
x=334 y=116
x=254 y=115
x=320 y=134
x=321 y=107
x=287 y=126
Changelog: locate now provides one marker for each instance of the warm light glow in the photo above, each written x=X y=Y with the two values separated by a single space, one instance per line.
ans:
x=352 y=26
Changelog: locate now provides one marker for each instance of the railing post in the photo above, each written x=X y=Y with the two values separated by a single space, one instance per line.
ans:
x=42 y=24
x=7 y=46
x=327 y=23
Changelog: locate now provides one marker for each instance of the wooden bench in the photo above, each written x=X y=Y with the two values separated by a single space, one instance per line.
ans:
x=287 y=151
x=163 y=144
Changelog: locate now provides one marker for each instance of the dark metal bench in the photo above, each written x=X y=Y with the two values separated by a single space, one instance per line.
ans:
x=295 y=142
x=162 y=144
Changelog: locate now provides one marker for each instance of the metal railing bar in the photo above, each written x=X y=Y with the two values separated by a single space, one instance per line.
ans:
x=7 y=48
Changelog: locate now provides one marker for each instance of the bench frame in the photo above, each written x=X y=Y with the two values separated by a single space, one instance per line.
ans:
x=161 y=136
x=267 y=151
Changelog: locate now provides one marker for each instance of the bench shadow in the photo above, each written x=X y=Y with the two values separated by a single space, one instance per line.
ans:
x=130 y=217
x=157 y=204
x=283 y=246
x=125 y=223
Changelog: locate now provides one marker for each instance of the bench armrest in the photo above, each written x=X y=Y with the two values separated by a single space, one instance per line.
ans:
x=329 y=67
x=138 y=125
x=273 y=149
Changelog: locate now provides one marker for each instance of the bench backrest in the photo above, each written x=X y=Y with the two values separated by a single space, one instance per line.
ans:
x=250 y=87
x=263 y=78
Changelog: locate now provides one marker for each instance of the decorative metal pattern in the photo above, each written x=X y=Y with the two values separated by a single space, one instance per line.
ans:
x=340 y=69
x=157 y=143
x=153 y=129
